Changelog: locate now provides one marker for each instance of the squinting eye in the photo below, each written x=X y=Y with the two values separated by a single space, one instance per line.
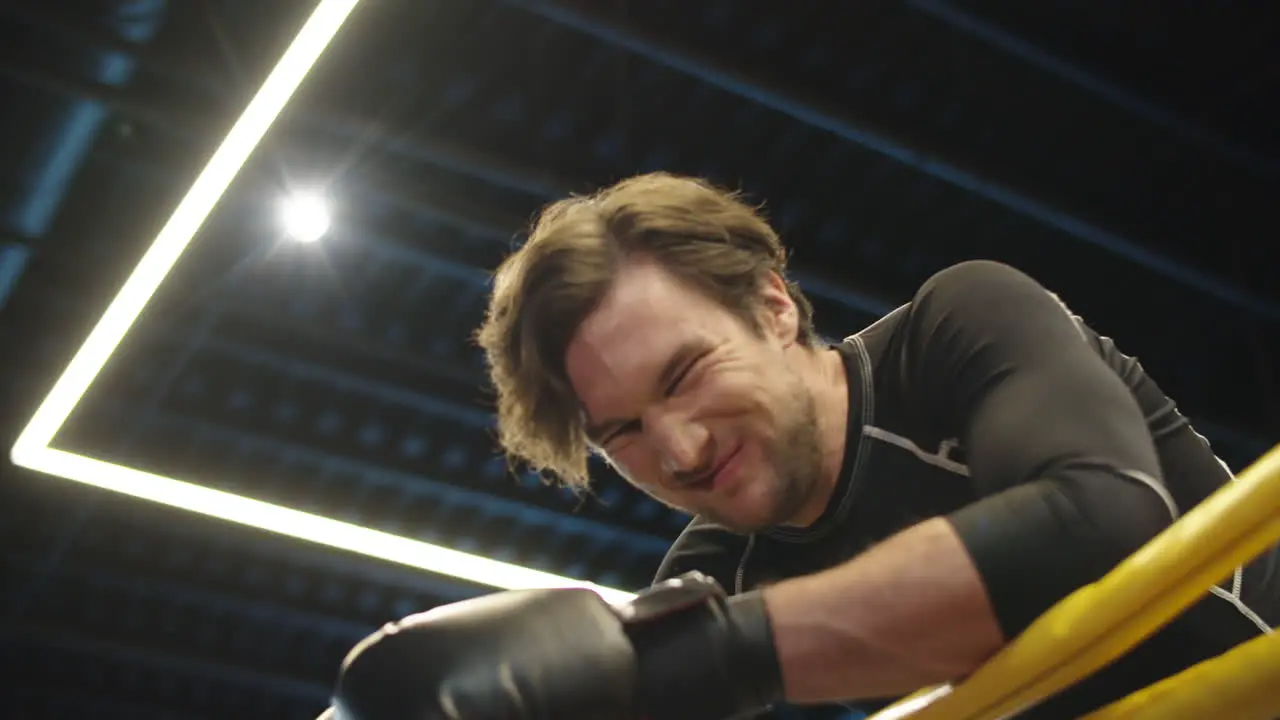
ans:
x=632 y=426
x=675 y=384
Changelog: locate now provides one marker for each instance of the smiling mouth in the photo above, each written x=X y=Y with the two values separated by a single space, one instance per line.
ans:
x=715 y=477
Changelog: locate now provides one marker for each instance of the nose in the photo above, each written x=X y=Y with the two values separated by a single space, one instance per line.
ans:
x=683 y=445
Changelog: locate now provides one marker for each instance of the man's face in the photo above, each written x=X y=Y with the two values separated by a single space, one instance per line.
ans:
x=694 y=407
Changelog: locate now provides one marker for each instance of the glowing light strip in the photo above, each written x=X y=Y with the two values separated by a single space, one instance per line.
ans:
x=305 y=526
x=32 y=449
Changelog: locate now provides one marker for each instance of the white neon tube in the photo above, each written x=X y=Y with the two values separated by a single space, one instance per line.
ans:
x=32 y=449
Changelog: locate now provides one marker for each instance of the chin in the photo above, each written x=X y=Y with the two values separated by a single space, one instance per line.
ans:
x=752 y=513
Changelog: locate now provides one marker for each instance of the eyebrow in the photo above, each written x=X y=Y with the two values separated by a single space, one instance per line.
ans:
x=682 y=356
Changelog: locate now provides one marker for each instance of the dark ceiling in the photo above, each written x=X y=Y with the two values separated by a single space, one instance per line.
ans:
x=1124 y=153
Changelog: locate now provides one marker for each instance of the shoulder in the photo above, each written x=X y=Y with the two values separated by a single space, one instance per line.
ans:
x=970 y=327
x=971 y=305
x=977 y=285
x=707 y=548
x=975 y=300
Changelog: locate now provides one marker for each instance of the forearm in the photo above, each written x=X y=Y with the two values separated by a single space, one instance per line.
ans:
x=908 y=613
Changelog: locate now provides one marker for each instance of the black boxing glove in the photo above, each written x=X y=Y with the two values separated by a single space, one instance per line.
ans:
x=679 y=651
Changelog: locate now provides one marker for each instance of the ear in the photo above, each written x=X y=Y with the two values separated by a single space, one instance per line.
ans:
x=780 y=318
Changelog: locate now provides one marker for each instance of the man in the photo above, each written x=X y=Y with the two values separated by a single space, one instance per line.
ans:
x=887 y=513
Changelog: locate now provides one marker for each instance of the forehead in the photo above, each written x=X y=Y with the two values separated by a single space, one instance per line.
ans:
x=646 y=316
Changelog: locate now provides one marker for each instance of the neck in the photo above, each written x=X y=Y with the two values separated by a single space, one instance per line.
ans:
x=828 y=385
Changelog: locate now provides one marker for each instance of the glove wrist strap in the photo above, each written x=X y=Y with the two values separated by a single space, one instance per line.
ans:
x=754 y=653
x=702 y=656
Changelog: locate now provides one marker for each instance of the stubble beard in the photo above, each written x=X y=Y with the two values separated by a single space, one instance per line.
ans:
x=796 y=468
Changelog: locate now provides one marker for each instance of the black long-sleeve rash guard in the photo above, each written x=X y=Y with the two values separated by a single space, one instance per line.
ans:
x=1053 y=455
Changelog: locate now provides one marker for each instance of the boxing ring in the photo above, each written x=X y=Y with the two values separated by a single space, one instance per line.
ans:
x=1102 y=621
x=1075 y=638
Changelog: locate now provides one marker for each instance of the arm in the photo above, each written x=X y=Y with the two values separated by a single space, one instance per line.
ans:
x=706 y=548
x=1070 y=482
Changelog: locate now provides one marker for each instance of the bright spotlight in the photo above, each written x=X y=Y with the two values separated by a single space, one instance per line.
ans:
x=305 y=217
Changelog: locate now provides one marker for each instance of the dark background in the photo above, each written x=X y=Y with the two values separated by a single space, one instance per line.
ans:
x=1124 y=153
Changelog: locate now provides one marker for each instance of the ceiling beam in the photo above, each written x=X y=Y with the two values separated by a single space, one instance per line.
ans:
x=592 y=20
x=1011 y=43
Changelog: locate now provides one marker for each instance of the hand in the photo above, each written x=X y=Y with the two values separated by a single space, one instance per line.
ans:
x=680 y=651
